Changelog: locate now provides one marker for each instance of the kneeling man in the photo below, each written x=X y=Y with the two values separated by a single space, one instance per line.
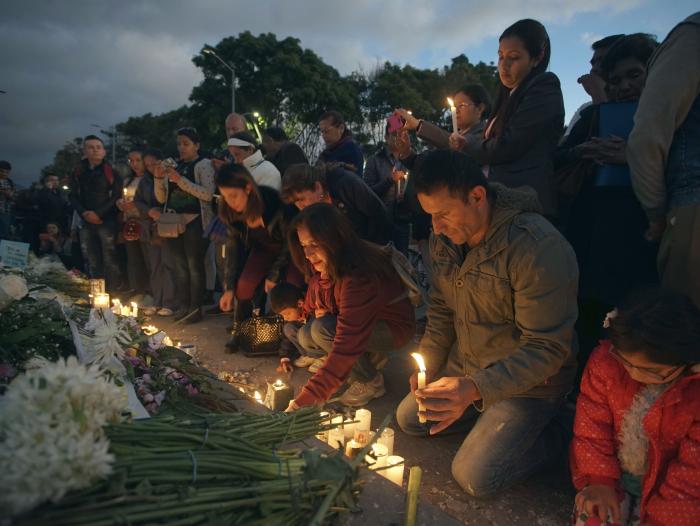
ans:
x=499 y=343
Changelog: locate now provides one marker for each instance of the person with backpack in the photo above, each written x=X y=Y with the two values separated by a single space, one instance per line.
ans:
x=366 y=307
x=94 y=190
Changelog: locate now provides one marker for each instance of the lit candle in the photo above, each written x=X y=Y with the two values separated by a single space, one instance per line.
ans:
x=278 y=395
x=363 y=425
x=223 y=251
x=395 y=470
x=134 y=309
x=116 y=306
x=387 y=440
x=336 y=436
x=97 y=286
x=100 y=301
x=421 y=383
x=378 y=457
x=353 y=448
x=258 y=397
x=126 y=310
x=349 y=429
x=149 y=330
x=453 y=110
x=167 y=341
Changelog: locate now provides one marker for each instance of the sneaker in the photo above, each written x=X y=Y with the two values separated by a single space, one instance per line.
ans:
x=165 y=312
x=316 y=365
x=304 y=361
x=360 y=393
x=150 y=311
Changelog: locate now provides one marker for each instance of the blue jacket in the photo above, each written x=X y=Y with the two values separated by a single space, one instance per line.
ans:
x=346 y=150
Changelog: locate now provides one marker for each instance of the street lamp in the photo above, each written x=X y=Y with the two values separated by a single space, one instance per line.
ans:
x=113 y=136
x=210 y=51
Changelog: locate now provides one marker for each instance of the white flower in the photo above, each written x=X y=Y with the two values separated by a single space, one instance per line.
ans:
x=51 y=437
x=12 y=288
x=110 y=337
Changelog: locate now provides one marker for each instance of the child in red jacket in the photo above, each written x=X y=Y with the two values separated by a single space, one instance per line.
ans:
x=635 y=455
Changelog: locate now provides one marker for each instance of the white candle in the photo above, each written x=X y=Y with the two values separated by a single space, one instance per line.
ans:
x=336 y=436
x=325 y=419
x=149 y=330
x=395 y=472
x=223 y=251
x=258 y=397
x=421 y=382
x=379 y=456
x=101 y=301
x=387 y=440
x=167 y=341
x=362 y=427
x=453 y=110
x=134 y=309
x=116 y=306
x=349 y=429
x=126 y=310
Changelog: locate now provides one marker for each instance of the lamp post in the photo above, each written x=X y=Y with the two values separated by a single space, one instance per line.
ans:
x=210 y=51
x=113 y=136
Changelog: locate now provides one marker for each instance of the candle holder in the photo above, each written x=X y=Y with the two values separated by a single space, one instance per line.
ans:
x=278 y=395
x=353 y=448
x=377 y=458
x=362 y=426
x=100 y=301
x=97 y=286
x=387 y=440
x=395 y=470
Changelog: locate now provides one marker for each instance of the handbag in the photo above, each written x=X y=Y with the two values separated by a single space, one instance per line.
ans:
x=131 y=230
x=170 y=224
x=260 y=335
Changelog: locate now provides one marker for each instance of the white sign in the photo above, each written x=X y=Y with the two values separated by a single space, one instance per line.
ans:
x=14 y=253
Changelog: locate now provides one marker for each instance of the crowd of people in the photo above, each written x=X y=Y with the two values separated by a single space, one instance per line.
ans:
x=560 y=260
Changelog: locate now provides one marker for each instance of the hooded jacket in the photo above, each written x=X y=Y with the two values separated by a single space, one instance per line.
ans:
x=671 y=484
x=509 y=305
x=347 y=151
x=264 y=173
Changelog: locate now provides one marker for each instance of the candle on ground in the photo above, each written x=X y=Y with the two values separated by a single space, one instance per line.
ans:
x=378 y=457
x=395 y=470
x=352 y=449
x=387 y=440
x=421 y=383
x=349 y=428
x=363 y=425
x=134 y=309
x=258 y=397
x=100 y=301
x=336 y=436
x=453 y=110
x=325 y=420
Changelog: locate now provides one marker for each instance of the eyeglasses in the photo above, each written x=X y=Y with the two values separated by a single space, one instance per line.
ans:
x=651 y=372
x=465 y=104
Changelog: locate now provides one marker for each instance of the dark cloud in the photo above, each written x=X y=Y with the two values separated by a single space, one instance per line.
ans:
x=67 y=65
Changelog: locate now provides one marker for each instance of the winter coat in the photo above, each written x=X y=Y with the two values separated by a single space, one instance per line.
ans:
x=439 y=138
x=347 y=151
x=91 y=189
x=276 y=217
x=202 y=188
x=522 y=154
x=671 y=485
x=264 y=172
x=509 y=305
x=289 y=153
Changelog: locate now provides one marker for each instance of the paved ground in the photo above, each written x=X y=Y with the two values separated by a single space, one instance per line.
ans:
x=545 y=500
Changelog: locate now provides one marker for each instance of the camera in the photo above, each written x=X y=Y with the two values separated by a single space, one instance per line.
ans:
x=169 y=163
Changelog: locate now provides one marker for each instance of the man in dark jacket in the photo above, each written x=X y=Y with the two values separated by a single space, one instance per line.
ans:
x=280 y=151
x=340 y=146
x=95 y=188
x=304 y=185
x=52 y=204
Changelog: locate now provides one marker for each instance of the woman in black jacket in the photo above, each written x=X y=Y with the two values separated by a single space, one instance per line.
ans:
x=256 y=221
x=520 y=138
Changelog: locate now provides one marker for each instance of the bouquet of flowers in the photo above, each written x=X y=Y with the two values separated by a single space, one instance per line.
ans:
x=51 y=433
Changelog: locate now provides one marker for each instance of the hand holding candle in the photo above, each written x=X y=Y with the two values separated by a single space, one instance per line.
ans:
x=421 y=384
x=453 y=111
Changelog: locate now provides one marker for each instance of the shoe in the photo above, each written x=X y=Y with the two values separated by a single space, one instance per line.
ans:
x=150 y=311
x=360 y=393
x=193 y=316
x=304 y=361
x=165 y=312
x=316 y=365
x=231 y=346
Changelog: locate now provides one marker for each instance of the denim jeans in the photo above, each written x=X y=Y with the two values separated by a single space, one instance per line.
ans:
x=316 y=339
x=99 y=249
x=187 y=252
x=504 y=445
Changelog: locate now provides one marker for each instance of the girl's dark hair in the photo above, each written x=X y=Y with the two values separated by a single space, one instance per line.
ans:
x=347 y=253
x=276 y=133
x=663 y=325
x=478 y=95
x=153 y=152
x=536 y=41
x=237 y=176
x=638 y=45
x=190 y=133
x=300 y=177
x=245 y=136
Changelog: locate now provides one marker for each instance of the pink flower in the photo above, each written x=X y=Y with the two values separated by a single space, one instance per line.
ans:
x=191 y=390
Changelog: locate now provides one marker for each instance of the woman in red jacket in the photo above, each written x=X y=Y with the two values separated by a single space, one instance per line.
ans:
x=371 y=312
x=635 y=455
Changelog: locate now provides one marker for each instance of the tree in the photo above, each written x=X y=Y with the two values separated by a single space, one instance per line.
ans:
x=66 y=159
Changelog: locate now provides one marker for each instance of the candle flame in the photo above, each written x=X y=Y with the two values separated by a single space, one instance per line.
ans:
x=150 y=330
x=278 y=383
x=419 y=360
x=451 y=102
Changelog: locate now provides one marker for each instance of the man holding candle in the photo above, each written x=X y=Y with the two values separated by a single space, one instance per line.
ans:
x=499 y=343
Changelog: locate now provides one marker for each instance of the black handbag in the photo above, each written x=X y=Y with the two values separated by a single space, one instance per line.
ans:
x=260 y=335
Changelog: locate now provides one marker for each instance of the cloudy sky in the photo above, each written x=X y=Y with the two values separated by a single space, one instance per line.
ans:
x=69 y=64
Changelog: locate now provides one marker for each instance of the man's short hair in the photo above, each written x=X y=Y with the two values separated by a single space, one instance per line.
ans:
x=276 y=133
x=285 y=296
x=606 y=42
x=5 y=165
x=335 y=117
x=457 y=172
x=153 y=152
x=93 y=138
x=639 y=46
x=301 y=177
